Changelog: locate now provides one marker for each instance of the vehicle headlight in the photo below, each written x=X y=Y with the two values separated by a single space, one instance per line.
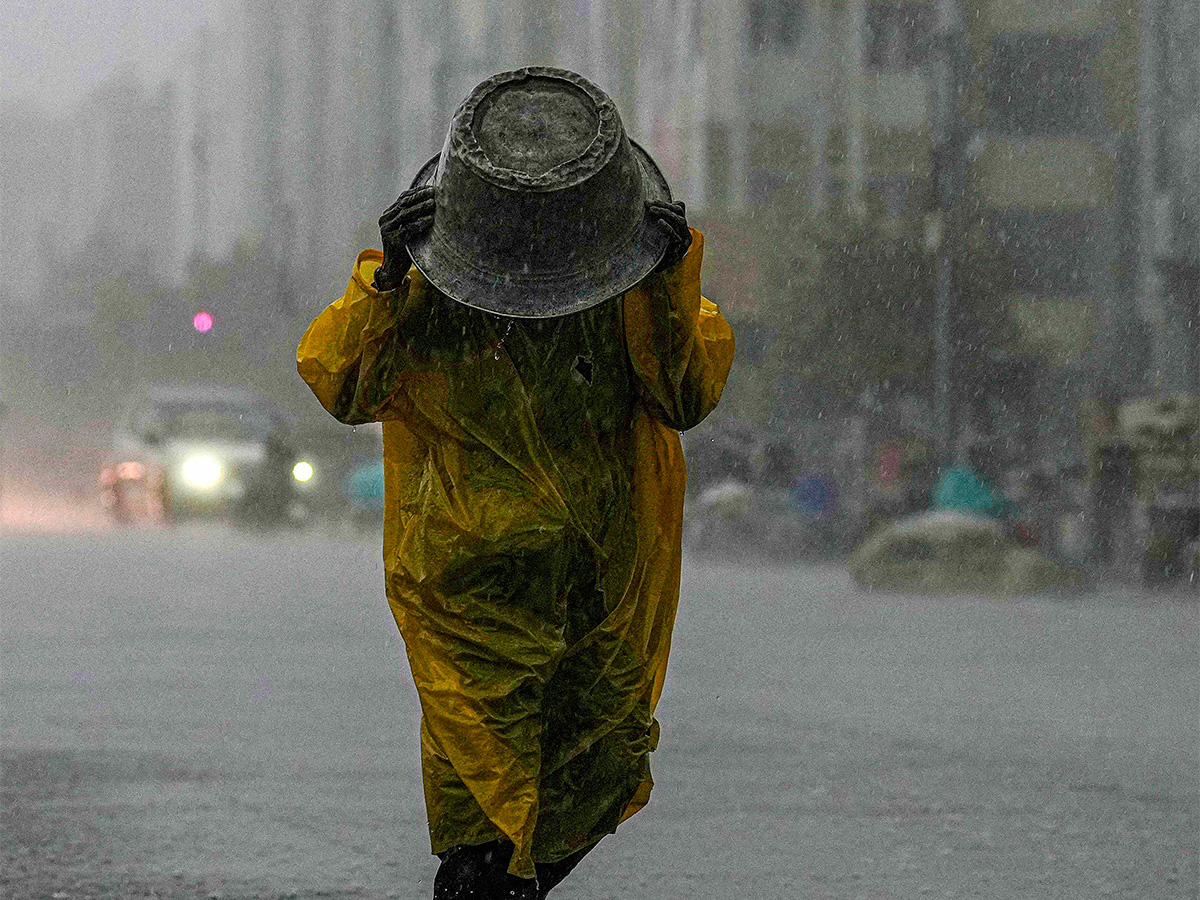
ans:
x=202 y=471
x=303 y=471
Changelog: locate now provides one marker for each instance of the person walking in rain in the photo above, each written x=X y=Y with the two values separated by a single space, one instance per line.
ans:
x=532 y=338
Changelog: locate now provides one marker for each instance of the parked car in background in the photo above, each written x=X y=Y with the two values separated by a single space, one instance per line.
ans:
x=205 y=450
x=952 y=552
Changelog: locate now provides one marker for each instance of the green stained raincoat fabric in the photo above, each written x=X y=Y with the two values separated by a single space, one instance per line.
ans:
x=534 y=486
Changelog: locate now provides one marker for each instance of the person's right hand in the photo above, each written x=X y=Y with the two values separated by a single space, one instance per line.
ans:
x=406 y=219
x=672 y=215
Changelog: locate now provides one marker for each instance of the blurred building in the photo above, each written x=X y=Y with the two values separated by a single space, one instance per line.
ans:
x=1169 y=186
x=31 y=164
x=1086 y=178
x=766 y=100
x=315 y=127
x=104 y=174
x=296 y=124
x=1078 y=139
x=1057 y=180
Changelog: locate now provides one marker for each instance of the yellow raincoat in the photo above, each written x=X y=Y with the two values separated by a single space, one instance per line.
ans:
x=534 y=486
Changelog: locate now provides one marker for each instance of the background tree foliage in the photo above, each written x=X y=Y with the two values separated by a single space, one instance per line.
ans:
x=847 y=304
x=129 y=326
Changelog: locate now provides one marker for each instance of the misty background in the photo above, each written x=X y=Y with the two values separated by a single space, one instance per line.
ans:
x=950 y=235
x=925 y=219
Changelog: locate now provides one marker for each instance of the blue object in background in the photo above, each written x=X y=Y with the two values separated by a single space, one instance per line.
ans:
x=364 y=486
x=815 y=495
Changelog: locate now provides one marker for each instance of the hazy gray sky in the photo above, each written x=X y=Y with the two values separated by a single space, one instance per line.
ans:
x=54 y=50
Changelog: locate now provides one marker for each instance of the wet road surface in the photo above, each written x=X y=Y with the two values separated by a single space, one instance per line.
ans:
x=209 y=711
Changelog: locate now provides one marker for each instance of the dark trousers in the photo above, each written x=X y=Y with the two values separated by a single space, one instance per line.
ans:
x=480 y=872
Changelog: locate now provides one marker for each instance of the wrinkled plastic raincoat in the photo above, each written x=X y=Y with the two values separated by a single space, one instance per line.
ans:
x=534 y=486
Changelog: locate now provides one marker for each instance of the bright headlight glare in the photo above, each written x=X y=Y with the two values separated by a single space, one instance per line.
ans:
x=201 y=471
x=302 y=471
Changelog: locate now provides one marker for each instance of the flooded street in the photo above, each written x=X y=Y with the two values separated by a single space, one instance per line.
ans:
x=210 y=712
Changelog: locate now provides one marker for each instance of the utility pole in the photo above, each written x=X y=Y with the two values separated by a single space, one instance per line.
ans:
x=270 y=96
x=201 y=151
x=947 y=77
x=318 y=194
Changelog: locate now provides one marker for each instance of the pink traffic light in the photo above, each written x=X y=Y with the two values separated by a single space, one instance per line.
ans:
x=202 y=322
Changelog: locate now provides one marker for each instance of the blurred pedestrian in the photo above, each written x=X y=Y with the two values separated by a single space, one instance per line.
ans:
x=967 y=486
x=532 y=338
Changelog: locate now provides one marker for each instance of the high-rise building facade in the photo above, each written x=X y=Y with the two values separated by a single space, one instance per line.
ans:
x=1169 y=188
x=107 y=172
x=1079 y=136
x=296 y=124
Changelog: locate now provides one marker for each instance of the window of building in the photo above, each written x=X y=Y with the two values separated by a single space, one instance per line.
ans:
x=763 y=184
x=779 y=158
x=1043 y=84
x=774 y=26
x=899 y=36
x=1051 y=253
x=889 y=194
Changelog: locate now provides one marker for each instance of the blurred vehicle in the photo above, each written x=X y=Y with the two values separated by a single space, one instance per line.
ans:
x=198 y=449
x=718 y=512
x=360 y=478
x=803 y=520
x=948 y=552
x=751 y=492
